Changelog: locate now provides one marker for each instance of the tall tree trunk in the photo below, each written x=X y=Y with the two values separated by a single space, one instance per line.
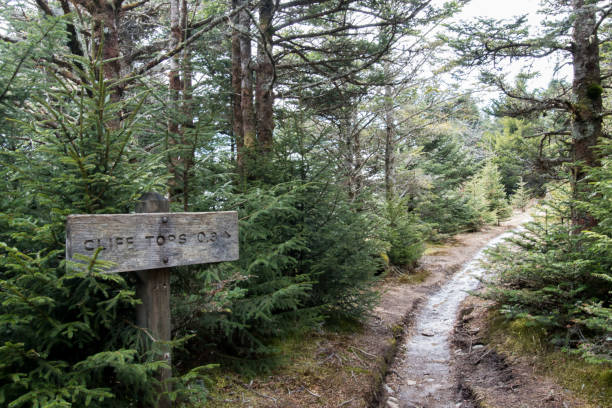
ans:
x=352 y=153
x=189 y=136
x=587 y=90
x=237 y=125
x=358 y=159
x=175 y=160
x=390 y=139
x=246 y=71
x=73 y=39
x=349 y=157
x=106 y=40
x=264 y=95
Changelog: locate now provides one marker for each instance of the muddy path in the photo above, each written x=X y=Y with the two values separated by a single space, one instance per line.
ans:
x=493 y=379
x=422 y=373
x=358 y=369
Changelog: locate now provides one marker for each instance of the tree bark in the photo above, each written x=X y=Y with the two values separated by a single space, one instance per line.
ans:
x=353 y=162
x=264 y=96
x=189 y=136
x=73 y=39
x=587 y=116
x=175 y=160
x=358 y=159
x=390 y=139
x=237 y=124
x=349 y=159
x=246 y=71
x=106 y=17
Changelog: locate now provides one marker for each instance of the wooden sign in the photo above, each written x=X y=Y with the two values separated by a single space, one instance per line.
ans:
x=154 y=240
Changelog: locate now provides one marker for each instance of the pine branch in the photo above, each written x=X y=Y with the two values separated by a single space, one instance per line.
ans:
x=23 y=58
x=212 y=24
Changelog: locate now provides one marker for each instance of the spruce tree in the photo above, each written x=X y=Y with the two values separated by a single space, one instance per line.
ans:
x=554 y=278
x=65 y=332
x=520 y=198
x=576 y=33
x=494 y=192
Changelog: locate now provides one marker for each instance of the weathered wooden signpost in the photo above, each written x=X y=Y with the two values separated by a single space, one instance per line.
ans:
x=149 y=243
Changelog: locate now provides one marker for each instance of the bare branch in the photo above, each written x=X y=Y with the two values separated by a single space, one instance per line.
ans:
x=605 y=14
x=145 y=51
x=201 y=23
x=44 y=6
x=297 y=3
x=213 y=23
x=561 y=132
x=537 y=104
x=341 y=6
x=331 y=31
x=130 y=6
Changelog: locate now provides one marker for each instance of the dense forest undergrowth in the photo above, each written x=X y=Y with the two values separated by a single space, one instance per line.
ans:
x=332 y=128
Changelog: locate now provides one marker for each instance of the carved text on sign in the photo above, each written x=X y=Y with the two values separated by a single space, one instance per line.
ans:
x=148 y=241
x=201 y=237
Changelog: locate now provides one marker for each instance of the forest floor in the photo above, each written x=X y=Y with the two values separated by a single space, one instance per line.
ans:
x=488 y=376
x=362 y=368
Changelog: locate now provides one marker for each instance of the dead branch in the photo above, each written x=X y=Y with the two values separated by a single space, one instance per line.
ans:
x=130 y=6
x=213 y=23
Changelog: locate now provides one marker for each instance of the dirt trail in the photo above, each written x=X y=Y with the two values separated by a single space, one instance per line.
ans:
x=491 y=379
x=357 y=370
x=422 y=375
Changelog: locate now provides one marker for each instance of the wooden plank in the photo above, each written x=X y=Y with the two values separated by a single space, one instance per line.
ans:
x=154 y=240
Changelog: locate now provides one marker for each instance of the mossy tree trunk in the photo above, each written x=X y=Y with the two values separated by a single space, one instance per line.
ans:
x=587 y=114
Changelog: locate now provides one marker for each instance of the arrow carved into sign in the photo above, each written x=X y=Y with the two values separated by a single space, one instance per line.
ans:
x=154 y=240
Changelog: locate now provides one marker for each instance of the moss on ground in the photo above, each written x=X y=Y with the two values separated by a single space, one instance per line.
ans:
x=313 y=363
x=522 y=338
x=433 y=249
x=414 y=278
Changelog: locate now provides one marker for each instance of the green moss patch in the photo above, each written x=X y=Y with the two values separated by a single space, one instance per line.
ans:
x=522 y=338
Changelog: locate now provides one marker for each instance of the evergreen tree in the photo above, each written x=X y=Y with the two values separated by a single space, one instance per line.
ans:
x=477 y=203
x=489 y=179
x=65 y=336
x=575 y=33
x=560 y=280
x=308 y=254
x=404 y=234
x=516 y=152
x=520 y=198
x=447 y=161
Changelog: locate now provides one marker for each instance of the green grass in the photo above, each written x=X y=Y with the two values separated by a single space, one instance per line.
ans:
x=343 y=325
x=435 y=248
x=296 y=359
x=414 y=278
x=520 y=337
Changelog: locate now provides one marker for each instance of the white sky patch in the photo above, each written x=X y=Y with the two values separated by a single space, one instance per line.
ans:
x=501 y=9
x=509 y=10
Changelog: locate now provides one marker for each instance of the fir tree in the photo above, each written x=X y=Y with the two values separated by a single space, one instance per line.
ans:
x=490 y=180
x=520 y=198
x=576 y=34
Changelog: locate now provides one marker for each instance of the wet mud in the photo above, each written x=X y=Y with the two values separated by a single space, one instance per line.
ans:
x=424 y=376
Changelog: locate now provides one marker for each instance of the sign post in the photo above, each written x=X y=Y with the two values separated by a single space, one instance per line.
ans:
x=149 y=243
x=153 y=289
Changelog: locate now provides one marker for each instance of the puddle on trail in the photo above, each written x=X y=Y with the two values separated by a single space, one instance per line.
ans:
x=425 y=370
